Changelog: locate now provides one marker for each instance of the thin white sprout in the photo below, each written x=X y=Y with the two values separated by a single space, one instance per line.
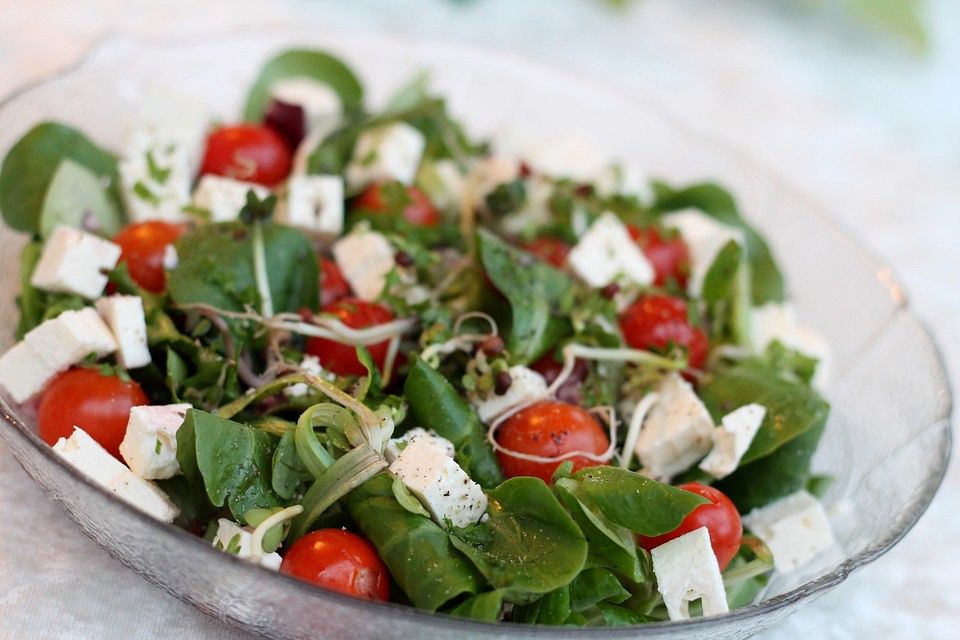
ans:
x=610 y=419
x=633 y=432
x=256 y=540
x=464 y=341
x=260 y=271
x=392 y=349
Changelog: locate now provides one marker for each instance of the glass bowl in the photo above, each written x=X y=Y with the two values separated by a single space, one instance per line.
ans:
x=887 y=442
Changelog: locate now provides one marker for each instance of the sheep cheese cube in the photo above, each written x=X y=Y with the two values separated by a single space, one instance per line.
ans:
x=89 y=458
x=232 y=538
x=319 y=102
x=526 y=386
x=389 y=152
x=607 y=251
x=23 y=373
x=396 y=445
x=687 y=570
x=155 y=177
x=171 y=119
x=70 y=337
x=73 y=261
x=704 y=237
x=777 y=322
x=149 y=446
x=225 y=197
x=677 y=431
x=795 y=528
x=314 y=203
x=365 y=257
x=732 y=439
x=439 y=483
x=124 y=316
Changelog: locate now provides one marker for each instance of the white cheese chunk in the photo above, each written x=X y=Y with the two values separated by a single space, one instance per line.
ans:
x=225 y=197
x=88 y=457
x=778 y=322
x=439 y=483
x=23 y=373
x=168 y=118
x=795 y=528
x=149 y=445
x=232 y=538
x=124 y=316
x=732 y=439
x=315 y=203
x=677 y=431
x=704 y=237
x=171 y=259
x=389 y=152
x=396 y=445
x=607 y=251
x=623 y=179
x=365 y=258
x=309 y=364
x=155 y=178
x=526 y=386
x=73 y=261
x=70 y=337
x=320 y=103
x=687 y=570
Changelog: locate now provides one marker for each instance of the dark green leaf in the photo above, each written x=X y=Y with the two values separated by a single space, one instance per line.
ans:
x=719 y=279
x=507 y=198
x=77 y=197
x=617 y=616
x=289 y=473
x=485 y=607
x=593 y=586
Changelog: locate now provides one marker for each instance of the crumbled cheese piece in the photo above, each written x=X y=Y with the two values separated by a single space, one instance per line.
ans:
x=777 y=322
x=396 y=445
x=309 y=364
x=320 y=103
x=73 y=261
x=171 y=259
x=732 y=439
x=124 y=316
x=526 y=386
x=687 y=570
x=149 y=446
x=232 y=538
x=314 y=203
x=795 y=528
x=365 y=258
x=155 y=177
x=607 y=251
x=389 y=152
x=225 y=197
x=704 y=237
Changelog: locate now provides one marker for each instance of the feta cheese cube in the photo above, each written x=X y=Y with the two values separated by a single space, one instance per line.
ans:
x=232 y=538
x=70 y=337
x=171 y=118
x=365 y=257
x=732 y=439
x=687 y=570
x=124 y=316
x=396 y=445
x=439 y=483
x=389 y=152
x=314 y=203
x=92 y=460
x=526 y=386
x=677 y=431
x=704 y=237
x=149 y=446
x=155 y=177
x=320 y=103
x=607 y=251
x=23 y=373
x=778 y=322
x=225 y=197
x=73 y=261
x=795 y=528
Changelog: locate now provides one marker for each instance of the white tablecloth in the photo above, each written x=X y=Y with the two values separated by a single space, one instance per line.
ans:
x=872 y=132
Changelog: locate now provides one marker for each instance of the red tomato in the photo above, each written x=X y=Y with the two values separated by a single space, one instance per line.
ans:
x=98 y=404
x=720 y=518
x=333 y=285
x=250 y=152
x=342 y=358
x=550 y=250
x=549 y=429
x=657 y=322
x=143 y=246
x=418 y=211
x=669 y=256
x=340 y=561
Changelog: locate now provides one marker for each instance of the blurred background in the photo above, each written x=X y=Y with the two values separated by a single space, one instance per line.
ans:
x=854 y=102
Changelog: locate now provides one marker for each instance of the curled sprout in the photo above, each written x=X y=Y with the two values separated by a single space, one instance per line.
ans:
x=633 y=431
x=460 y=341
x=256 y=539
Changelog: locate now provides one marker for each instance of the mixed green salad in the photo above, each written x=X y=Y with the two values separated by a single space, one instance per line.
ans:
x=360 y=347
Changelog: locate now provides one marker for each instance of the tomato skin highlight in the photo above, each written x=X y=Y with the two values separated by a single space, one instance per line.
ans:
x=340 y=561
x=143 y=246
x=657 y=322
x=418 y=211
x=549 y=429
x=669 y=256
x=719 y=516
x=254 y=153
x=550 y=250
x=339 y=358
x=99 y=404
x=333 y=284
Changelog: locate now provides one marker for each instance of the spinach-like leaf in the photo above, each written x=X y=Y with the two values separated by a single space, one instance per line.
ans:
x=435 y=404
x=534 y=289
x=529 y=545
x=316 y=65
x=618 y=616
x=289 y=473
x=30 y=300
x=31 y=164
x=485 y=607
x=75 y=197
x=719 y=279
x=191 y=500
x=748 y=572
x=593 y=586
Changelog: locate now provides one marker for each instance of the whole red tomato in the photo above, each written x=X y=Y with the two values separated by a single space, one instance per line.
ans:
x=659 y=322
x=342 y=358
x=254 y=153
x=143 y=247
x=340 y=561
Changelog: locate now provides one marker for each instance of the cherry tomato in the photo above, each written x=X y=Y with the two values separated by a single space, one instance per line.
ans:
x=550 y=368
x=143 y=247
x=668 y=255
x=99 y=404
x=342 y=358
x=657 y=322
x=340 y=561
x=333 y=284
x=254 y=153
x=417 y=210
x=549 y=429
x=720 y=518
x=550 y=250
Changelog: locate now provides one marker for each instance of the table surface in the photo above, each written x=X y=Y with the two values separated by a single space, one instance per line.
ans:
x=872 y=131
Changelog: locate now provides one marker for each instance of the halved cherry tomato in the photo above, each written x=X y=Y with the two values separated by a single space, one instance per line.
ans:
x=99 y=404
x=668 y=255
x=143 y=247
x=657 y=322
x=340 y=561
x=333 y=284
x=550 y=250
x=380 y=197
x=254 y=153
x=342 y=358
x=549 y=429
x=720 y=517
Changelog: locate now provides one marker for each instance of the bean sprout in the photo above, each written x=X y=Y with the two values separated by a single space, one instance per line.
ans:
x=461 y=342
x=256 y=539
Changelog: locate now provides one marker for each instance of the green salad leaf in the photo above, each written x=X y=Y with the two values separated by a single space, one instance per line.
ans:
x=289 y=472
x=76 y=192
x=485 y=607
x=593 y=586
